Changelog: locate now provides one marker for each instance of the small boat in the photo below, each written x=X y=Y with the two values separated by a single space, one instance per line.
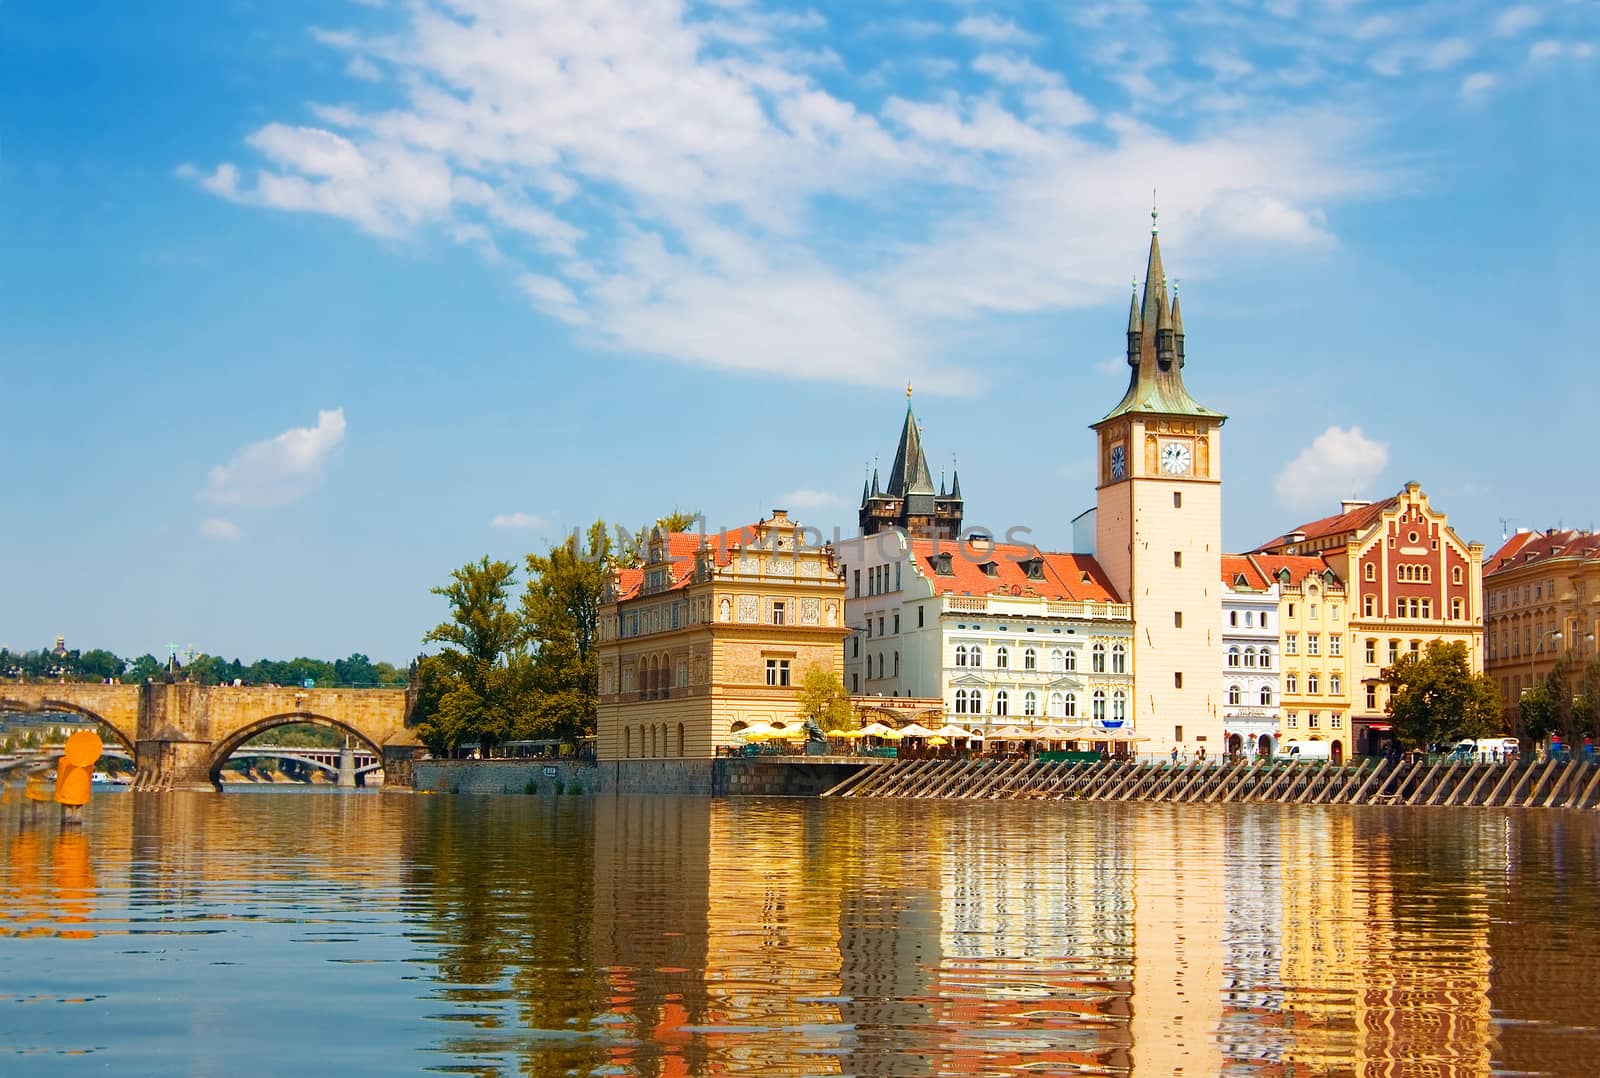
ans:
x=100 y=778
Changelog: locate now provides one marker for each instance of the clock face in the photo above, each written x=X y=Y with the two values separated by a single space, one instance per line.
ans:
x=1175 y=458
x=1119 y=462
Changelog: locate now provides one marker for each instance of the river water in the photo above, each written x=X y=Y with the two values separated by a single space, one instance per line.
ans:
x=327 y=933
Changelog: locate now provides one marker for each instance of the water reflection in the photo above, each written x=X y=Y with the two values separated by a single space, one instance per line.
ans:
x=662 y=937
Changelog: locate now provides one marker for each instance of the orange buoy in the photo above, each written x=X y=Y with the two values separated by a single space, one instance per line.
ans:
x=83 y=748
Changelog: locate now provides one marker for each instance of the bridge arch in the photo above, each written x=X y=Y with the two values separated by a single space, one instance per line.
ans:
x=233 y=742
x=48 y=706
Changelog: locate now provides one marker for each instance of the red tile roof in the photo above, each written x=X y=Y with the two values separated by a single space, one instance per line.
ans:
x=1063 y=577
x=1300 y=566
x=682 y=547
x=1354 y=522
x=1235 y=566
x=1525 y=548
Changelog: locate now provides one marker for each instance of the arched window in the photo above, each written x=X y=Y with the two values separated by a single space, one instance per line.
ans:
x=1119 y=659
x=1057 y=704
x=1371 y=571
x=1098 y=658
x=1334 y=684
x=1071 y=710
x=1291 y=683
x=1250 y=656
x=1030 y=659
x=961 y=654
x=680 y=739
x=1002 y=658
x=1030 y=703
x=1119 y=705
x=1058 y=660
x=654 y=748
x=1233 y=694
x=976 y=655
x=1233 y=656
x=1072 y=661
x=1099 y=705
x=961 y=701
x=1002 y=703
x=1266 y=696
x=627 y=742
x=1266 y=658
x=1312 y=685
x=1249 y=619
x=1455 y=574
x=977 y=702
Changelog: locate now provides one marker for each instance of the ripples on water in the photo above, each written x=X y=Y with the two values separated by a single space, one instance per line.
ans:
x=197 y=934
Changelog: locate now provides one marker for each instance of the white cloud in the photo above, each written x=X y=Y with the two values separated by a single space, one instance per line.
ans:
x=518 y=520
x=1446 y=54
x=280 y=469
x=364 y=69
x=1550 y=49
x=217 y=528
x=1339 y=463
x=807 y=498
x=993 y=30
x=671 y=185
x=1514 y=20
x=1477 y=84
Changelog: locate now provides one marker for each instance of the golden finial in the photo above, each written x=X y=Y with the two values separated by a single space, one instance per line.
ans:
x=1153 y=213
x=908 y=391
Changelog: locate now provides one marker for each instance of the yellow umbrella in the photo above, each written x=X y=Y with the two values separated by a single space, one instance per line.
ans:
x=839 y=733
x=936 y=740
x=915 y=730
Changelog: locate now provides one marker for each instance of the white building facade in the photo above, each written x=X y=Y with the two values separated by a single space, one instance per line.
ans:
x=1251 y=665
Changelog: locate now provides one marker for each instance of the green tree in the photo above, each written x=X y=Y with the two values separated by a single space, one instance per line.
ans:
x=475 y=688
x=1435 y=698
x=561 y=614
x=97 y=664
x=824 y=701
x=144 y=668
x=1540 y=714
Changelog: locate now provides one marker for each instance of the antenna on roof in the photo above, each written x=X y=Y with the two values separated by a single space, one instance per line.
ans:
x=1505 y=528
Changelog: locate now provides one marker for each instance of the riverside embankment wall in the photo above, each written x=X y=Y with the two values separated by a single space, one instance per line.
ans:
x=735 y=776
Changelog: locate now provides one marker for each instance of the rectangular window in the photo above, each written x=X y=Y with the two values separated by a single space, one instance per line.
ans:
x=1333 y=612
x=880 y=624
x=1335 y=644
x=1455 y=609
x=1394 y=652
x=855 y=683
x=1294 y=719
x=1177 y=559
x=919 y=617
x=1177 y=733
x=1335 y=720
x=1177 y=619
x=1369 y=606
x=1313 y=611
x=897 y=623
x=1177 y=499
x=1291 y=610
x=1427 y=608
x=896 y=576
x=1372 y=697
x=777 y=672
x=778 y=612
x=1177 y=679
x=856 y=648
x=1291 y=644
x=1313 y=720
x=1313 y=643
x=858 y=584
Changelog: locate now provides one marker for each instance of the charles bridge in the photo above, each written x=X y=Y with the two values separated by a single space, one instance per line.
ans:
x=179 y=733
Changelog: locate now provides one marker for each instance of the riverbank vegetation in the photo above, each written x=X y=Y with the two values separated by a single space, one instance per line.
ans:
x=1436 y=699
x=97 y=664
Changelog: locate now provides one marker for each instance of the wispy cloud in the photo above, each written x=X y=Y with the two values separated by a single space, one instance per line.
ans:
x=1516 y=20
x=218 y=528
x=518 y=520
x=672 y=184
x=1340 y=462
x=809 y=498
x=280 y=469
x=1477 y=84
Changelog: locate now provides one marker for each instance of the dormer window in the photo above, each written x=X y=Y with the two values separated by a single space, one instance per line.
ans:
x=941 y=564
x=990 y=568
x=1034 y=568
x=1283 y=576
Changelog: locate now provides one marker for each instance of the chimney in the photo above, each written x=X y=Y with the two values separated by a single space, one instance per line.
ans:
x=1350 y=504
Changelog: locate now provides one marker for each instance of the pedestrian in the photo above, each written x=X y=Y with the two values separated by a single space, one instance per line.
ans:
x=1174 y=754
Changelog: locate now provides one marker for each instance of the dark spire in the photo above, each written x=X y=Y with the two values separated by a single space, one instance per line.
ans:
x=1177 y=322
x=1135 y=327
x=955 y=485
x=874 y=482
x=910 y=473
x=1155 y=384
x=866 y=491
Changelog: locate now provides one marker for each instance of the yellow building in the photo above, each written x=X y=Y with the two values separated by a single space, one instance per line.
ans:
x=1542 y=593
x=1314 y=641
x=1158 y=527
x=1410 y=579
x=711 y=632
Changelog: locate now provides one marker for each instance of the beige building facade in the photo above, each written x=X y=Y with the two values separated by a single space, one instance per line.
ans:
x=712 y=633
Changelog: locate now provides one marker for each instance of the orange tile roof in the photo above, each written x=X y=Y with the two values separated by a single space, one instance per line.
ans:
x=1525 y=548
x=1064 y=577
x=1300 y=566
x=1354 y=522
x=682 y=547
x=1235 y=566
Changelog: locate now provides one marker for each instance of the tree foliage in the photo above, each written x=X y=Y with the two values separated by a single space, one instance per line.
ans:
x=1435 y=698
x=357 y=672
x=561 y=615
x=1565 y=701
x=824 y=701
x=472 y=688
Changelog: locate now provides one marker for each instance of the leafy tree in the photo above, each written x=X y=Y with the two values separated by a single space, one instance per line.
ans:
x=145 y=668
x=1540 y=714
x=824 y=701
x=97 y=664
x=561 y=613
x=474 y=688
x=1435 y=698
x=631 y=548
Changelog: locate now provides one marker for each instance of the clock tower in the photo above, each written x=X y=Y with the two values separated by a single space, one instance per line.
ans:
x=1158 y=527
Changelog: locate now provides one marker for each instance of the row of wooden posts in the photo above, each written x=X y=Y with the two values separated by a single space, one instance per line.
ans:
x=1548 y=783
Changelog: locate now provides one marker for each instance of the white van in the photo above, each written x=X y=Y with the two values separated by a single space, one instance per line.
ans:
x=1309 y=751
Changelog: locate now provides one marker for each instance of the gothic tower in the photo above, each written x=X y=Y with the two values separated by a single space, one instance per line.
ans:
x=910 y=503
x=1158 y=526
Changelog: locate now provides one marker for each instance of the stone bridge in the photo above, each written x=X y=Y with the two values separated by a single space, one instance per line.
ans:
x=180 y=733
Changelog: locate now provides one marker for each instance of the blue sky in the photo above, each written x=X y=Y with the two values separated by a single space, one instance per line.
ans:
x=304 y=304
